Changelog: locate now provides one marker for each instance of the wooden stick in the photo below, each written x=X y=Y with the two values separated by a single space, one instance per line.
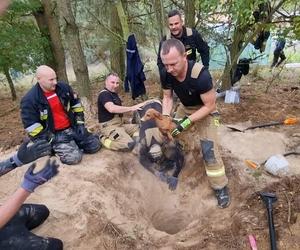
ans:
x=289 y=207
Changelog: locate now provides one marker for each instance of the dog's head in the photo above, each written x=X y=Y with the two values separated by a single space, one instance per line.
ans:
x=151 y=114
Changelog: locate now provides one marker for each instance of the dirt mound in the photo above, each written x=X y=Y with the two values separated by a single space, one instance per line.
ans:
x=251 y=217
x=11 y=129
x=110 y=201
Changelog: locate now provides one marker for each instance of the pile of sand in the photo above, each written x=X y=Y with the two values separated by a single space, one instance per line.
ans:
x=110 y=201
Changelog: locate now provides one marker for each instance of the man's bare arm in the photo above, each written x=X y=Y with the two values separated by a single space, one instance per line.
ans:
x=167 y=102
x=116 y=109
x=12 y=205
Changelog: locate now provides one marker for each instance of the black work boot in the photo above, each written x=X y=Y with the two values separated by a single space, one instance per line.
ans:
x=223 y=197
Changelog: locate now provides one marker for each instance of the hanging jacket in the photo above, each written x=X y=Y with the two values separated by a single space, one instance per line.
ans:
x=135 y=76
x=242 y=68
x=280 y=44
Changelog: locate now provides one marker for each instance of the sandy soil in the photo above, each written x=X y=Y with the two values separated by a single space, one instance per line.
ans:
x=110 y=201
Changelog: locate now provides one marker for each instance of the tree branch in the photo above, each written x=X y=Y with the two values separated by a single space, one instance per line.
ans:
x=120 y=38
x=180 y=6
x=256 y=30
x=141 y=15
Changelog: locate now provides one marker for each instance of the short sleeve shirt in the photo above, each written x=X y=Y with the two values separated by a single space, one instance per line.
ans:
x=60 y=117
x=189 y=90
x=106 y=96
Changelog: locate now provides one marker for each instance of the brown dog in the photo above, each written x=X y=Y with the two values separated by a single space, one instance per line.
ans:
x=164 y=123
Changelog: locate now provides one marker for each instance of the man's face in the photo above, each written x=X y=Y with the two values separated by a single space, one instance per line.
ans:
x=174 y=62
x=175 y=25
x=112 y=83
x=48 y=80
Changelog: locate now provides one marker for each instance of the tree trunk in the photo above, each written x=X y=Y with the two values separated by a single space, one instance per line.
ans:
x=117 y=48
x=11 y=84
x=51 y=15
x=235 y=51
x=189 y=12
x=73 y=42
x=48 y=23
x=43 y=27
x=123 y=19
x=159 y=14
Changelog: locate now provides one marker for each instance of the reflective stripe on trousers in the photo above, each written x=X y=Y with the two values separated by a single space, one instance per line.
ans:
x=205 y=130
x=116 y=135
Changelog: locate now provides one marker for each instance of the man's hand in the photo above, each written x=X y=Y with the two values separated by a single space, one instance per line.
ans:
x=33 y=180
x=160 y=175
x=183 y=124
x=172 y=181
x=138 y=106
x=27 y=154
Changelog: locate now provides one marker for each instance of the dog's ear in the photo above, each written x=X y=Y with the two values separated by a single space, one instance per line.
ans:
x=158 y=115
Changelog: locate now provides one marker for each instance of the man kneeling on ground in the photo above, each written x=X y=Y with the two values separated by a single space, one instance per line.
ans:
x=51 y=111
x=115 y=134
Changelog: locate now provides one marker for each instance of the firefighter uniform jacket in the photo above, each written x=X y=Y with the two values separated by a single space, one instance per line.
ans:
x=36 y=114
x=192 y=41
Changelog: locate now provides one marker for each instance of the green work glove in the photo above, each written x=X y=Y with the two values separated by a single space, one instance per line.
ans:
x=183 y=124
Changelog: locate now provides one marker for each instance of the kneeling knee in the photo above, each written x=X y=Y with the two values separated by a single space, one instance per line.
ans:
x=71 y=159
x=55 y=244
x=92 y=146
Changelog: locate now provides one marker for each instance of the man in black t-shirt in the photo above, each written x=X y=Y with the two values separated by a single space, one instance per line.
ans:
x=193 y=85
x=115 y=134
x=191 y=39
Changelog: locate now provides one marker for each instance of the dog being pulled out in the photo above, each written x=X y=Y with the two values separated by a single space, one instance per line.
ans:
x=164 y=123
x=159 y=153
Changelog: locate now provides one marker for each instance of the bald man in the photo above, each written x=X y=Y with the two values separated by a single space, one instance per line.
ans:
x=51 y=111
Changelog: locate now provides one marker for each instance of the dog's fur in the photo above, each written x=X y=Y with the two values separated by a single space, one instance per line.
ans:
x=164 y=123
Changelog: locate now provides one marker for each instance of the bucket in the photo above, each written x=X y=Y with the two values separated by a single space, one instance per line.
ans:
x=277 y=165
x=232 y=96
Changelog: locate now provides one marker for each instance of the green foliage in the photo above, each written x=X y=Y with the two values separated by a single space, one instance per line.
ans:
x=296 y=24
x=21 y=45
x=293 y=56
x=22 y=7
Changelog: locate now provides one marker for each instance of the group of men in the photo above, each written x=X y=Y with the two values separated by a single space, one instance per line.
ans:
x=53 y=117
x=192 y=83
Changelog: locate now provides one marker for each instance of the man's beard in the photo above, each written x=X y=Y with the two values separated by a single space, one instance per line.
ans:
x=179 y=34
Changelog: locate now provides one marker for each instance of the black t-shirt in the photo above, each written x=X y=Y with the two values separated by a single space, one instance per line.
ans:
x=191 y=42
x=190 y=89
x=106 y=96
